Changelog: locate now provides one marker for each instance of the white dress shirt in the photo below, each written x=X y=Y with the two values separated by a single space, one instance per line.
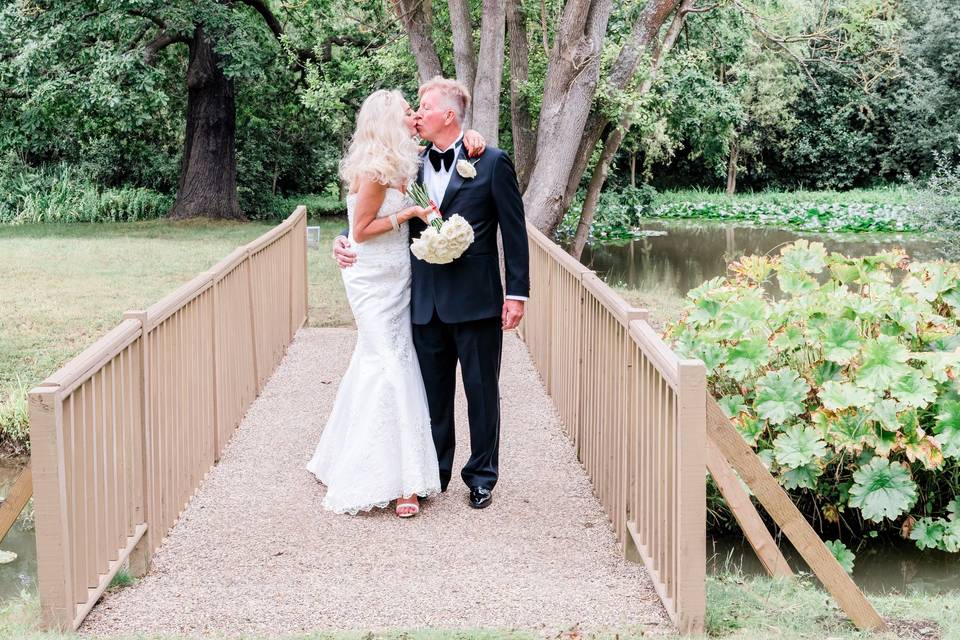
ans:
x=436 y=182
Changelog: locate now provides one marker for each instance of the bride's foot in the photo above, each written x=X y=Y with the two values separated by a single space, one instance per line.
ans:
x=408 y=507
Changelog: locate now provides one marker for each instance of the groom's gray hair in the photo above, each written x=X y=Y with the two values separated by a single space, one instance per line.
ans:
x=455 y=92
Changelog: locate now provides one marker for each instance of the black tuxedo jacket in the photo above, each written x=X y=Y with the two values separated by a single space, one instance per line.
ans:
x=469 y=288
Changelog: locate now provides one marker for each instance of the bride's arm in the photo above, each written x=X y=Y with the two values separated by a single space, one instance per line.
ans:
x=366 y=224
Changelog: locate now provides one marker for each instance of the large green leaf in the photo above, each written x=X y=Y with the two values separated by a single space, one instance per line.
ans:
x=928 y=533
x=804 y=477
x=914 y=389
x=803 y=256
x=885 y=413
x=848 y=432
x=883 y=363
x=843 y=555
x=796 y=284
x=798 y=445
x=841 y=341
x=732 y=405
x=746 y=357
x=780 y=395
x=947 y=426
x=840 y=395
x=882 y=489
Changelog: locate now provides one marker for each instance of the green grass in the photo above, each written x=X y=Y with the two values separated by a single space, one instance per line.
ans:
x=738 y=608
x=66 y=285
x=761 y=608
x=663 y=303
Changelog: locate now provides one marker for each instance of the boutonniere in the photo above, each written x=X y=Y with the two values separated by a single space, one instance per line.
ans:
x=466 y=169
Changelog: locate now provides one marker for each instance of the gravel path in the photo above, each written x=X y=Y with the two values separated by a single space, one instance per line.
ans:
x=256 y=554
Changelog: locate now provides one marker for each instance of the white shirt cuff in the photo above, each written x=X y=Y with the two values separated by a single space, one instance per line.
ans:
x=523 y=298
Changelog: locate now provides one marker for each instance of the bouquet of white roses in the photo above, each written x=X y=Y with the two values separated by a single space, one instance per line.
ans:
x=443 y=241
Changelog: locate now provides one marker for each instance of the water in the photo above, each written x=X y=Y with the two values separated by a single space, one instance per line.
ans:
x=22 y=572
x=881 y=568
x=687 y=254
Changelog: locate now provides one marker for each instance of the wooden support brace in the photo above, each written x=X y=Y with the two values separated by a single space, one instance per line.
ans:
x=781 y=508
x=746 y=514
x=16 y=500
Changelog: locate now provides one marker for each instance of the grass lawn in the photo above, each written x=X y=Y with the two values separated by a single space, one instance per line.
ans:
x=65 y=285
x=738 y=608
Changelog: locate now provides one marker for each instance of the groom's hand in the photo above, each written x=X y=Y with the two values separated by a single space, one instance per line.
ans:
x=342 y=254
x=512 y=314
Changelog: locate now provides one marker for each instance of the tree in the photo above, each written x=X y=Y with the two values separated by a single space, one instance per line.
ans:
x=121 y=50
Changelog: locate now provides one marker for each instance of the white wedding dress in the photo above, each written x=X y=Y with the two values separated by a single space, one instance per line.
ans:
x=377 y=444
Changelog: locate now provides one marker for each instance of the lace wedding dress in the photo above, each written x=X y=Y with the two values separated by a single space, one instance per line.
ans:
x=377 y=445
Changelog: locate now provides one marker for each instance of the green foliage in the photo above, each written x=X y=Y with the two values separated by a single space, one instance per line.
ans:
x=805 y=216
x=15 y=419
x=618 y=214
x=843 y=555
x=846 y=385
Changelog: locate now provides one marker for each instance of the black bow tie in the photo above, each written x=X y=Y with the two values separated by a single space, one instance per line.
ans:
x=446 y=156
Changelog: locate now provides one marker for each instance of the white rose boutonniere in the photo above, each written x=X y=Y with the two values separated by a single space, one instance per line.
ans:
x=466 y=169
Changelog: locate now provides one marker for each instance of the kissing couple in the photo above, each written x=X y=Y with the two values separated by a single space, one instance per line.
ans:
x=390 y=435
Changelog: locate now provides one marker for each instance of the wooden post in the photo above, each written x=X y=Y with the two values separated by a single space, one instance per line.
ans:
x=215 y=356
x=781 y=508
x=54 y=557
x=691 y=513
x=253 y=322
x=142 y=553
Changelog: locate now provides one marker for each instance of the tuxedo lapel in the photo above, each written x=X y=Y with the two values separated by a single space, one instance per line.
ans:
x=456 y=181
x=423 y=158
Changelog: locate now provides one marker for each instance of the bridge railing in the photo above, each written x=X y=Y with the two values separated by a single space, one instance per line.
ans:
x=124 y=433
x=636 y=414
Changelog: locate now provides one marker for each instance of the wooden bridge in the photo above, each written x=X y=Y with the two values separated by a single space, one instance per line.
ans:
x=124 y=435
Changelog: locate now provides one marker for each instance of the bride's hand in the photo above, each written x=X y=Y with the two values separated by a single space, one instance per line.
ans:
x=474 y=143
x=418 y=212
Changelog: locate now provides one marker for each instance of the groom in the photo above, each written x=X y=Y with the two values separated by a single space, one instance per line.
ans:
x=459 y=310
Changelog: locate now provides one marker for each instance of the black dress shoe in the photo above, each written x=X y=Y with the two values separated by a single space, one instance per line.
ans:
x=480 y=498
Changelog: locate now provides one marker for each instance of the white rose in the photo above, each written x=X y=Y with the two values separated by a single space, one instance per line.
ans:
x=466 y=169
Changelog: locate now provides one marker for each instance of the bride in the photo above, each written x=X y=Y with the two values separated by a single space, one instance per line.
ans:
x=377 y=444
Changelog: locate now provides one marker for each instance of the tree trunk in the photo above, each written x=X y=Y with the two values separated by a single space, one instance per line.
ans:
x=464 y=58
x=613 y=142
x=208 y=173
x=524 y=136
x=486 y=90
x=572 y=76
x=417 y=19
x=633 y=170
x=732 y=165
x=643 y=34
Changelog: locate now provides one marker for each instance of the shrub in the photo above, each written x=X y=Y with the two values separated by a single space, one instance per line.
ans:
x=15 y=421
x=842 y=374
x=62 y=194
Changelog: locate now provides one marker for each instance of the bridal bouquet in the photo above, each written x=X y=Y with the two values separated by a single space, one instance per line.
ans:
x=442 y=241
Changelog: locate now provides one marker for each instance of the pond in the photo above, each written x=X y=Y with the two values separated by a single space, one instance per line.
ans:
x=679 y=256
x=22 y=572
x=880 y=568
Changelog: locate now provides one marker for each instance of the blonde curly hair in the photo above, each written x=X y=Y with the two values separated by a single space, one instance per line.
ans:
x=382 y=148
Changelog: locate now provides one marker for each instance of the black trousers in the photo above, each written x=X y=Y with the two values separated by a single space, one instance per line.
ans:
x=477 y=345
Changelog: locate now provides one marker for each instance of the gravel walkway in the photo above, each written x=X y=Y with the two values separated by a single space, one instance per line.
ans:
x=256 y=554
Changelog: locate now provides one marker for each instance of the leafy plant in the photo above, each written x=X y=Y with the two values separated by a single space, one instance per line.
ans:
x=842 y=374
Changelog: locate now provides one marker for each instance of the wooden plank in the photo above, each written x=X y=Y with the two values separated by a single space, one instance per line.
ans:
x=15 y=501
x=781 y=508
x=746 y=514
x=688 y=541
